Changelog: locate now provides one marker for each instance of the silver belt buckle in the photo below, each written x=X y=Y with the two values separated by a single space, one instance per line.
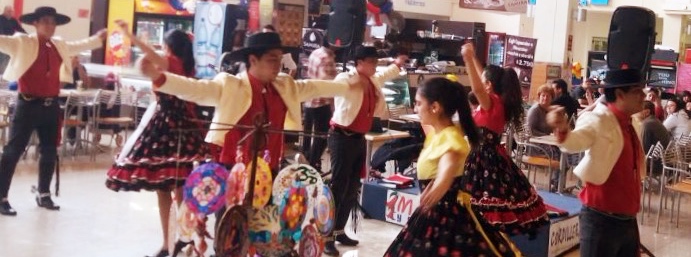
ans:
x=48 y=101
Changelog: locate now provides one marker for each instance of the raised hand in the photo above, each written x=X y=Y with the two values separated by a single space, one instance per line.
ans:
x=557 y=118
x=148 y=68
x=103 y=33
x=468 y=50
x=124 y=26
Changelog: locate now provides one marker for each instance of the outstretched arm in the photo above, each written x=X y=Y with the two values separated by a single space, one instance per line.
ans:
x=474 y=71
x=202 y=91
x=93 y=42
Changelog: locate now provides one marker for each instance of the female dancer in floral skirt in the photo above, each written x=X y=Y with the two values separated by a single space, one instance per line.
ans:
x=149 y=159
x=446 y=224
x=499 y=189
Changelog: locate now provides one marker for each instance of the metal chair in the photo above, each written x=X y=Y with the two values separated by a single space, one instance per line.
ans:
x=654 y=155
x=533 y=156
x=675 y=163
x=74 y=109
x=115 y=110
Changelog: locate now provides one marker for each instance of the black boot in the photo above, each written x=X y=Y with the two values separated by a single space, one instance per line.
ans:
x=6 y=209
x=45 y=202
x=345 y=240
x=179 y=245
x=330 y=249
x=161 y=253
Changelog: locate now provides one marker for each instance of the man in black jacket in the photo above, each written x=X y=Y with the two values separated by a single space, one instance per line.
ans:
x=563 y=98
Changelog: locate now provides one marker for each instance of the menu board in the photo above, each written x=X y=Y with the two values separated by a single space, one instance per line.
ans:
x=662 y=77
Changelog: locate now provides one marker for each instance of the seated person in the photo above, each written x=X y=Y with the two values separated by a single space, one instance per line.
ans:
x=538 y=112
x=677 y=121
x=652 y=131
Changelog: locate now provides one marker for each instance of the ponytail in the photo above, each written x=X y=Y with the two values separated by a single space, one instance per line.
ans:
x=465 y=117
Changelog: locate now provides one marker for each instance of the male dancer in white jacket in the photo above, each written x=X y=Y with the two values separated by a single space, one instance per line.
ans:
x=611 y=168
x=352 y=119
x=39 y=63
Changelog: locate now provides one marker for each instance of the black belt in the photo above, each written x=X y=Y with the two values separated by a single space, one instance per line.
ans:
x=618 y=216
x=47 y=101
x=346 y=132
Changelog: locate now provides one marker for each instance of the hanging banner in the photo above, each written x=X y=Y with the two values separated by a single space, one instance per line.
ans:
x=520 y=55
x=518 y=6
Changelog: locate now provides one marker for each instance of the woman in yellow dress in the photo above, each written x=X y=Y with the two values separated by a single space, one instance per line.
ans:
x=445 y=224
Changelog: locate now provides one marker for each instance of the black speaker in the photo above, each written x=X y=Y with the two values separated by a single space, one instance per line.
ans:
x=631 y=38
x=346 y=23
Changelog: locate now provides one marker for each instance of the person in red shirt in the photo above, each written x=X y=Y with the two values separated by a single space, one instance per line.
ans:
x=39 y=63
x=611 y=168
x=352 y=118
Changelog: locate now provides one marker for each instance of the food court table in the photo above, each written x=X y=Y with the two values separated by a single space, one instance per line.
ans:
x=376 y=137
x=552 y=141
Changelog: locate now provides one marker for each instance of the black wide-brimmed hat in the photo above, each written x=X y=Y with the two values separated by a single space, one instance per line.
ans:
x=30 y=18
x=623 y=78
x=362 y=52
x=257 y=42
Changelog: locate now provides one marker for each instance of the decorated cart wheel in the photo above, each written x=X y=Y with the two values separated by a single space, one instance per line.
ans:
x=235 y=185
x=301 y=174
x=325 y=211
x=232 y=235
x=293 y=210
x=262 y=184
x=204 y=190
x=310 y=245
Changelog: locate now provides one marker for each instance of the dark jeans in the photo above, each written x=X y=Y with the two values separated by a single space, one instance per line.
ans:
x=347 y=161
x=29 y=116
x=315 y=120
x=605 y=235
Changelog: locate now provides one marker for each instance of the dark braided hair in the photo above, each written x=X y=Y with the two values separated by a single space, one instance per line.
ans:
x=452 y=98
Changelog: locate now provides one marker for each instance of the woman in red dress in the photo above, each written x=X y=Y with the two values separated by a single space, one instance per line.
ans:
x=149 y=159
x=499 y=189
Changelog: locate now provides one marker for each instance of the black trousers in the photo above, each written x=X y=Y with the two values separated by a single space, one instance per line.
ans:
x=347 y=161
x=604 y=235
x=39 y=115
x=315 y=120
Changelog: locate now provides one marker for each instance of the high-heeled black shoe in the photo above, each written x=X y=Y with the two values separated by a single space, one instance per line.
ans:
x=179 y=245
x=46 y=202
x=6 y=209
x=161 y=253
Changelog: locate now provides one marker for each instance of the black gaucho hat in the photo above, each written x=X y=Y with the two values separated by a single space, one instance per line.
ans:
x=623 y=78
x=259 y=41
x=30 y=18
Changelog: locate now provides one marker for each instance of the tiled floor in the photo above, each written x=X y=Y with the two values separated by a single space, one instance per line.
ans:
x=95 y=221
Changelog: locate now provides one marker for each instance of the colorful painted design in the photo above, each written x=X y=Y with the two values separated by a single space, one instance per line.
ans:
x=262 y=184
x=235 y=185
x=293 y=210
x=264 y=224
x=232 y=235
x=310 y=245
x=205 y=188
x=324 y=211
